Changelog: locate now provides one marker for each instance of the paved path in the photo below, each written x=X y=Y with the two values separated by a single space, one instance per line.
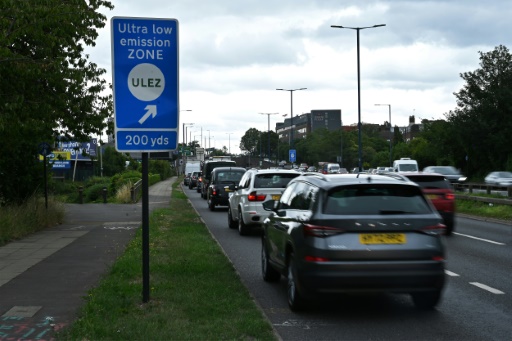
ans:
x=44 y=277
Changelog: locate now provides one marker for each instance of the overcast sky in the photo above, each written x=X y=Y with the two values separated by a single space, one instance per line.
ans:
x=235 y=53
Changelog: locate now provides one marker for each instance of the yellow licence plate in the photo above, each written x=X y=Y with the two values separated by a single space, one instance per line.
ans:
x=276 y=196
x=432 y=196
x=382 y=238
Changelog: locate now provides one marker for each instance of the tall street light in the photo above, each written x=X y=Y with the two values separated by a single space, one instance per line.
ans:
x=291 y=112
x=268 y=131
x=229 y=142
x=358 y=88
x=390 y=135
x=185 y=126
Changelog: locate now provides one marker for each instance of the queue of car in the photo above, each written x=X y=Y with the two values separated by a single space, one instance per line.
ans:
x=318 y=226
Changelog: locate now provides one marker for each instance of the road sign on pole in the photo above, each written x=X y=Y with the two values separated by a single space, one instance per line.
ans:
x=292 y=155
x=145 y=83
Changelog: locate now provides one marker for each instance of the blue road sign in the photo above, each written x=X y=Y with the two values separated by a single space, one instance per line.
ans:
x=292 y=155
x=145 y=83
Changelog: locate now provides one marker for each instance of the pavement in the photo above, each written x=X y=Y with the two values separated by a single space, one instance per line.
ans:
x=45 y=276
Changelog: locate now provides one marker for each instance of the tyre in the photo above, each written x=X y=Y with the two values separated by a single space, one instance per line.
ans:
x=295 y=301
x=243 y=229
x=426 y=300
x=231 y=223
x=269 y=273
x=449 y=229
x=211 y=203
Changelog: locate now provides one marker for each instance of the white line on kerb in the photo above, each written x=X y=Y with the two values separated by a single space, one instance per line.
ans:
x=485 y=287
x=449 y=273
x=484 y=240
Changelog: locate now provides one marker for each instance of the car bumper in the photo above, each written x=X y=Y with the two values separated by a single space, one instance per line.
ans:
x=254 y=216
x=346 y=277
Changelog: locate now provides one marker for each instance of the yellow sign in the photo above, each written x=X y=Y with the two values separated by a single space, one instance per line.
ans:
x=57 y=156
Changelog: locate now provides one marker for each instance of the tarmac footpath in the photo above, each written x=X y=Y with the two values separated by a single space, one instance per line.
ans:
x=44 y=277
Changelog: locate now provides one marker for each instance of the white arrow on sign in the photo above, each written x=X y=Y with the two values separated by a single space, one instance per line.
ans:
x=151 y=110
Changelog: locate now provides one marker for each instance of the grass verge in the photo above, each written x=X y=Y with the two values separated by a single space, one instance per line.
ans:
x=482 y=209
x=35 y=214
x=195 y=292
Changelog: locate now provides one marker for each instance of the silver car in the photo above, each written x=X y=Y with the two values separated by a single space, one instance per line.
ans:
x=502 y=178
x=354 y=233
x=245 y=210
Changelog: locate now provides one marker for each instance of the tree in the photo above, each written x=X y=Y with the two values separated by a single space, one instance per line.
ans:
x=483 y=114
x=251 y=141
x=114 y=162
x=48 y=87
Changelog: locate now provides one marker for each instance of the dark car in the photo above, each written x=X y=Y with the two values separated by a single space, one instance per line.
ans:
x=207 y=169
x=221 y=180
x=440 y=192
x=451 y=173
x=186 y=180
x=194 y=177
x=354 y=233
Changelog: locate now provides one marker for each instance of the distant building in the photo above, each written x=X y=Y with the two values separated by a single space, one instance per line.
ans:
x=306 y=123
x=412 y=130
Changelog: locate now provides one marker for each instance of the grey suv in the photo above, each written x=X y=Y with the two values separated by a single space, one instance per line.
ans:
x=354 y=233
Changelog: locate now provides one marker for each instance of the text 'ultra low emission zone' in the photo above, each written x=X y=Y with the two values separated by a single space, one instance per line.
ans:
x=145 y=78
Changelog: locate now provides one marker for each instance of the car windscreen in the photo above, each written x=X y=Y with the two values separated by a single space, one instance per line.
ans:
x=408 y=167
x=430 y=182
x=375 y=199
x=273 y=180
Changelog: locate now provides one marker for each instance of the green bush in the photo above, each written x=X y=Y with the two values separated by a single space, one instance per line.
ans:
x=121 y=179
x=94 y=193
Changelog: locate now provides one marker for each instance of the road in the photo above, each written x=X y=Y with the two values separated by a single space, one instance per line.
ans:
x=477 y=303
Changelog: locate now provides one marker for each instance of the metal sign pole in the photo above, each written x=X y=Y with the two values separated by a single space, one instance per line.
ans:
x=145 y=229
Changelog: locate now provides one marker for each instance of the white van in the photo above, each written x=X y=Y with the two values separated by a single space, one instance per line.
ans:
x=405 y=164
x=192 y=166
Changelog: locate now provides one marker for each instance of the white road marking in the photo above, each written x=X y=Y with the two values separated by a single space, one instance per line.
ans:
x=481 y=239
x=449 y=273
x=488 y=288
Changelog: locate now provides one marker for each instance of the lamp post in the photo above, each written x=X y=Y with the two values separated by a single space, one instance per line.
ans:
x=208 y=142
x=357 y=29
x=229 y=142
x=390 y=135
x=185 y=126
x=268 y=131
x=291 y=112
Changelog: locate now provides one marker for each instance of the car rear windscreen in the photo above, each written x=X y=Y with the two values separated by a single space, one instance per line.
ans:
x=230 y=176
x=273 y=180
x=375 y=200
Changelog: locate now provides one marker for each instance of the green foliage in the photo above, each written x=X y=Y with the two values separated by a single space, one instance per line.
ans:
x=94 y=193
x=250 y=142
x=115 y=162
x=19 y=221
x=121 y=179
x=481 y=122
x=160 y=167
x=48 y=86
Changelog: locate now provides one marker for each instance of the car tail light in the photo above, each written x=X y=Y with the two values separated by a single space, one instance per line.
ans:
x=449 y=196
x=316 y=259
x=214 y=191
x=321 y=231
x=434 y=229
x=253 y=196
